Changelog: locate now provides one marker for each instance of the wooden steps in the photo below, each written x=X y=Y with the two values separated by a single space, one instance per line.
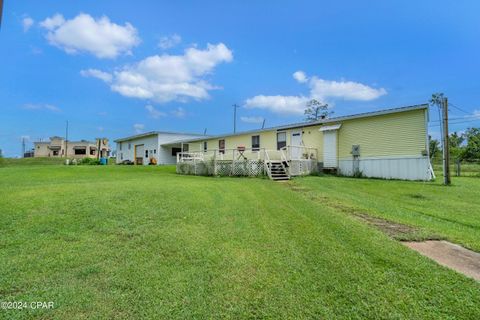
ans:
x=277 y=171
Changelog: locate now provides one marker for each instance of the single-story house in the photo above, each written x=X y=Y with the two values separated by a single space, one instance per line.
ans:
x=59 y=147
x=156 y=147
x=391 y=144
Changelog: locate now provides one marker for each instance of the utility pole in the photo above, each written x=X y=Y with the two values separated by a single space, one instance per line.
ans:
x=1 y=11
x=441 y=102
x=23 y=147
x=235 y=106
x=66 y=140
x=446 y=144
x=263 y=124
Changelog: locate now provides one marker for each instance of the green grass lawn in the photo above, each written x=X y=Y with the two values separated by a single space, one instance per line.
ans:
x=9 y=162
x=142 y=242
x=451 y=212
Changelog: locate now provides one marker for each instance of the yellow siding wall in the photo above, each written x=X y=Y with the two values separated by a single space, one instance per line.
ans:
x=388 y=135
x=396 y=134
x=311 y=137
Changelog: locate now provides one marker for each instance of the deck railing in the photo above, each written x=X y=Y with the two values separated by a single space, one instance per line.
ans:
x=247 y=161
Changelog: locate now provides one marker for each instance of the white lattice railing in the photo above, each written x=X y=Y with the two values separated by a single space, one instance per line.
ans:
x=247 y=161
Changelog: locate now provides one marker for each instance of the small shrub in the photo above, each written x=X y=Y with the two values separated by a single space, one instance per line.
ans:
x=89 y=162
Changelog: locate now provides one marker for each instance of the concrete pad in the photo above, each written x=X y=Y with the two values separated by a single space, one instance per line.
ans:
x=450 y=255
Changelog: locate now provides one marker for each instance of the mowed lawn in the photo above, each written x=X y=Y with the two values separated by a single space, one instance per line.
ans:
x=124 y=242
x=451 y=212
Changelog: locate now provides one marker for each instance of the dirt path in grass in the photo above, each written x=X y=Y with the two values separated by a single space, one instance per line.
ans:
x=432 y=246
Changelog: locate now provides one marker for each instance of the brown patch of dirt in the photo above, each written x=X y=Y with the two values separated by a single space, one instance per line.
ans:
x=450 y=255
x=392 y=229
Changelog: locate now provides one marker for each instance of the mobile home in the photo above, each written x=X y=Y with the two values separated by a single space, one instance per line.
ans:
x=390 y=144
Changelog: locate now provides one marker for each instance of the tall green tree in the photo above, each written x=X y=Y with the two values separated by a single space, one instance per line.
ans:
x=455 y=141
x=434 y=148
x=472 y=149
x=316 y=110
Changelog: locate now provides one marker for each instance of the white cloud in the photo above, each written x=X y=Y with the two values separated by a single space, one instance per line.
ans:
x=179 y=112
x=255 y=120
x=300 y=76
x=27 y=23
x=40 y=107
x=320 y=89
x=154 y=113
x=94 y=73
x=476 y=113
x=53 y=22
x=278 y=104
x=165 y=78
x=348 y=90
x=138 y=127
x=170 y=41
x=101 y=129
x=100 y=37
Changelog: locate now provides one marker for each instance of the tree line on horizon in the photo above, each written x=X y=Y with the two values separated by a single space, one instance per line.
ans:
x=463 y=146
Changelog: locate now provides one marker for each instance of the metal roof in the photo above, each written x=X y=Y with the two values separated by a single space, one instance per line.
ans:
x=152 y=133
x=314 y=123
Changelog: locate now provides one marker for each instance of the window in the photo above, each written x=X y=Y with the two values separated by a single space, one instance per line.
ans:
x=255 y=143
x=146 y=153
x=205 y=146
x=81 y=151
x=55 y=152
x=175 y=151
x=221 y=146
x=120 y=146
x=129 y=146
x=92 y=151
x=281 y=140
x=154 y=151
x=185 y=147
x=121 y=155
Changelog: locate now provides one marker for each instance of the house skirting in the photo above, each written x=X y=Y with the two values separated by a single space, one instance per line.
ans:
x=404 y=168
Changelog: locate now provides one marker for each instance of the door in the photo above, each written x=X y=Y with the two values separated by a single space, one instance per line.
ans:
x=295 y=143
x=139 y=152
x=330 y=149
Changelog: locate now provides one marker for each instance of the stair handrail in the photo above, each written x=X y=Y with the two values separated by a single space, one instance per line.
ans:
x=283 y=157
x=266 y=162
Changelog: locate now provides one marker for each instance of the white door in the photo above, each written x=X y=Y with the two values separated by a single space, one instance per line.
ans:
x=330 y=149
x=295 y=143
x=139 y=154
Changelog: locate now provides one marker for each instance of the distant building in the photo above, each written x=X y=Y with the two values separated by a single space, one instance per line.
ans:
x=29 y=153
x=58 y=147
x=150 y=148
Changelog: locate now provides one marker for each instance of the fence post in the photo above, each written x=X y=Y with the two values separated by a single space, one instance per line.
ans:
x=233 y=163
x=458 y=168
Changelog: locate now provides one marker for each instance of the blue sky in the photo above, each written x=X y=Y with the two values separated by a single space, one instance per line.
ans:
x=116 y=68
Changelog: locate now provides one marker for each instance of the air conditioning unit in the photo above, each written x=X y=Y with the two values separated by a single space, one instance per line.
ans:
x=356 y=150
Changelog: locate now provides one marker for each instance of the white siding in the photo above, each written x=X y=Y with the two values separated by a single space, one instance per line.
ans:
x=149 y=143
x=152 y=142
x=405 y=168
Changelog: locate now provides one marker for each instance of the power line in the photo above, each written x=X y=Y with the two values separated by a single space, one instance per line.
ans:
x=458 y=122
x=458 y=108
x=471 y=117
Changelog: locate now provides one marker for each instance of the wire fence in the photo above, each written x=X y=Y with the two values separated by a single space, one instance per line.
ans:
x=458 y=168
